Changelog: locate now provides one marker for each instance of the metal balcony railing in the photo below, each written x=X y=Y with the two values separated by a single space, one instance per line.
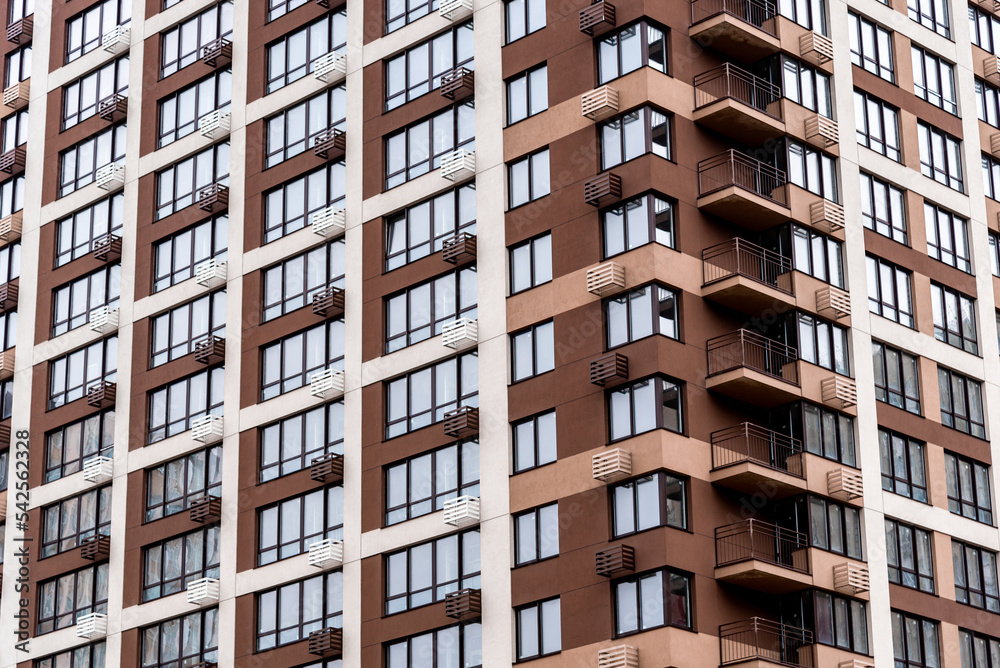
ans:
x=729 y=81
x=759 y=638
x=758 y=13
x=744 y=348
x=734 y=168
x=739 y=257
x=761 y=541
x=749 y=443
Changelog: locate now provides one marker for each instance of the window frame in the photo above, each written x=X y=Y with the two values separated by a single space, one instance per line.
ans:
x=910 y=572
x=539 y=451
x=961 y=331
x=965 y=496
x=539 y=521
x=906 y=460
x=208 y=471
x=971 y=562
x=530 y=167
x=186 y=572
x=894 y=389
x=538 y=338
x=975 y=428
x=458 y=464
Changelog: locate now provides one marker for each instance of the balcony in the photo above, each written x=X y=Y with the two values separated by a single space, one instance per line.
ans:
x=742 y=275
x=738 y=104
x=753 y=368
x=761 y=642
x=759 y=555
x=751 y=459
x=748 y=192
x=744 y=29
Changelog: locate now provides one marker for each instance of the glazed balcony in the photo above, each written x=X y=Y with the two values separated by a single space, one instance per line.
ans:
x=750 y=459
x=748 y=192
x=742 y=275
x=762 y=556
x=744 y=29
x=738 y=104
x=761 y=642
x=750 y=367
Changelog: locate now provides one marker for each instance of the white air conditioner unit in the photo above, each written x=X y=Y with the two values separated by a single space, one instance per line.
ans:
x=330 y=67
x=211 y=273
x=7 y=364
x=460 y=333
x=327 y=553
x=458 y=165
x=207 y=429
x=215 y=124
x=851 y=578
x=462 y=512
x=846 y=484
x=10 y=228
x=104 y=319
x=111 y=177
x=202 y=591
x=329 y=222
x=98 y=469
x=455 y=10
x=17 y=95
x=92 y=625
x=117 y=40
x=325 y=383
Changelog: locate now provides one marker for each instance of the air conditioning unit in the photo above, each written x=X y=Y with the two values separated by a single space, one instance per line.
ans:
x=104 y=319
x=605 y=278
x=833 y=301
x=458 y=165
x=92 y=625
x=7 y=364
x=851 y=577
x=10 y=228
x=991 y=69
x=462 y=512
x=622 y=656
x=455 y=10
x=207 y=429
x=117 y=40
x=202 y=591
x=326 y=553
x=816 y=48
x=826 y=215
x=330 y=67
x=98 y=469
x=329 y=222
x=17 y=96
x=599 y=103
x=326 y=383
x=215 y=124
x=839 y=392
x=111 y=177
x=211 y=273
x=460 y=333
x=846 y=484
x=612 y=465
x=822 y=131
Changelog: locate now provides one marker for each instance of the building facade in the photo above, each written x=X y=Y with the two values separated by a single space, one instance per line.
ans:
x=344 y=335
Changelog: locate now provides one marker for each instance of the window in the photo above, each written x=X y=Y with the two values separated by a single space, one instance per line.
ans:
x=961 y=403
x=810 y=169
x=985 y=29
x=954 y=318
x=640 y=313
x=978 y=650
x=292 y=205
x=995 y=253
x=289 y=613
x=292 y=284
x=991 y=176
x=804 y=85
x=934 y=78
x=85 y=30
x=278 y=8
x=177 y=186
x=817 y=255
x=4 y=462
x=823 y=344
x=294 y=130
x=402 y=12
x=421 y=485
x=176 y=332
x=533 y=351
x=425 y=573
x=170 y=565
x=290 y=363
x=175 y=406
x=810 y=15
x=940 y=156
x=20 y=9
x=968 y=488
x=871 y=47
x=87 y=656
x=171 y=486
x=539 y=630
x=73 y=303
x=531 y=263
x=651 y=501
x=293 y=56
x=988 y=103
x=417 y=71
x=82 y=98
x=10 y=262
x=453 y=646
x=947 y=238
x=897 y=377
x=71 y=374
x=418 y=148
x=932 y=14
x=625 y=50
x=176 y=257
x=62 y=599
x=536 y=535
x=291 y=444
x=527 y=94
x=822 y=431
x=651 y=403
x=421 y=311
x=14 y=130
x=18 y=66
x=76 y=233
x=902 y=461
x=523 y=17
x=422 y=397
x=288 y=528
x=909 y=551
x=69 y=522
x=975 y=576
x=836 y=620
x=889 y=293
x=12 y=196
x=878 y=125
x=79 y=163
x=645 y=130
x=644 y=602
x=8 y=330
x=915 y=639
x=6 y=406
x=180 y=113
x=534 y=441
x=834 y=527
x=184 y=640
x=421 y=229
x=646 y=219
x=181 y=46
x=67 y=448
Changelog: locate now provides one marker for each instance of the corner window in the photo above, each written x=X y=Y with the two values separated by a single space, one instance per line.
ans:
x=640 y=313
x=533 y=351
x=651 y=501
x=625 y=50
x=636 y=133
x=652 y=600
x=646 y=219
x=651 y=403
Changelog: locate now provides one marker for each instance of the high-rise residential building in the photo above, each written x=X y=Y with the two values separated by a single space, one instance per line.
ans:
x=466 y=333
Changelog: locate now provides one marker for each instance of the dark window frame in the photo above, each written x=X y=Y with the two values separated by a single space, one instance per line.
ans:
x=207 y=30
x=530 y=167
x=207 y=623
x=100 y=443
x=219 y=100
x=319 y=113
x=209 y=472
x=117 y=70
x=105 y=216
x=438 y=587
x=540 y=452
x=907 y=570
x=289 y=379
x=434 y=491
x=892 y=367
x=965 y=492
x=63 y=394
x=538 y=354
x=445 y=292
x=667 y=596
x=99 y=500
x=974 y=585
x=658 y=394
x=166 y=250
x=309 y=33
x=903 y=465
x=214 y=382
x=286 y=545
x=961 y=331
x=947 y=237
x=331 y=617
x=332 y=440
x=449 y=209
x=173 y=320
x=435 y=411
x=170 y=194
x=952 y=415
x=540 y=536
x=95 y=599
x=197 y=567
x=101 y=288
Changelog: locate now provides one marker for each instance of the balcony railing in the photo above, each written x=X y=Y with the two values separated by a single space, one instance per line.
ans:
x=739 y=257
x=760 y=541
x=758 y=638
x=744 y=348
x=729 y=81
x=734 y=168
x=758 y=13
x=749 y=443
